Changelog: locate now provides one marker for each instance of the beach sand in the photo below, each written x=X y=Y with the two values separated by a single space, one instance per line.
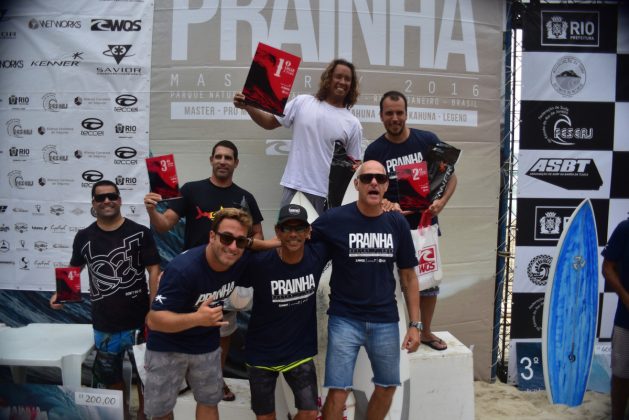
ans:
x=502 y=401
x=499 y=401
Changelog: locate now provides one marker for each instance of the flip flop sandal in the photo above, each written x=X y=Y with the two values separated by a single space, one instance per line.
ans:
x=433 y=344
x=228 y=395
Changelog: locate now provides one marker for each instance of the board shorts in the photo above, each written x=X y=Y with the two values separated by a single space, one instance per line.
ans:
x=111 y=348
x=381 y=342
x=302 y=380
x=319 y=203
x=620 y=352
x=165 y=372
x=432 y=291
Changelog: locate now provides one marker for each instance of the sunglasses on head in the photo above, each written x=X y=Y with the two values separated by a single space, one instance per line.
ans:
x=366 y=178
x=227 y=239
x=99 y=198
x=294 y=228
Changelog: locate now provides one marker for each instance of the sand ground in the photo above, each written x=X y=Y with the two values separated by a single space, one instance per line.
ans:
x=500 y=401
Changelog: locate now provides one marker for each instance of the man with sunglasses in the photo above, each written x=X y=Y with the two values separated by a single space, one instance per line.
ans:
x=364 y=242
x=282 y=334
x=186 y=315
x=199 y=202
x=117 y=251
x=402 y=145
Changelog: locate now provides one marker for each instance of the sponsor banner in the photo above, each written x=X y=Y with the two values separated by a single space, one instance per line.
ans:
x=444 y=75
x=569 y=173
x=620 y=186
x=532 y=268
x=541 y=221
x=366 y=113
x=102 y=47
x=526 y=318
x=578 y=28
x=568 y=76
x=75 y=94
x=567 y=125
x=59 y=103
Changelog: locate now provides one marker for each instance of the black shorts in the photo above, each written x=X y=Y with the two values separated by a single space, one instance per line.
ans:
x=302 y=380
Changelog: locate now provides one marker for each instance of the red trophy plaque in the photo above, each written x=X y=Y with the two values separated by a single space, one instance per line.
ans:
x=68 y=280
x=163 y=176
x=413 y=186
x=270 y=79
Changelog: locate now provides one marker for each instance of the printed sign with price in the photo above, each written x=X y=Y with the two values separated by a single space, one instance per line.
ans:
x=530 y=370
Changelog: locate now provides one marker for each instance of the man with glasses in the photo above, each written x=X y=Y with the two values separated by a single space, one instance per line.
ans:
x=199 y=203
x=117 y=251
x=402 y=145
x=186 y=315
x=282 y=334
x=364 y=242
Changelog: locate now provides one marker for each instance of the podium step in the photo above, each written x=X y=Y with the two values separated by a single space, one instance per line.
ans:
x=442 y=382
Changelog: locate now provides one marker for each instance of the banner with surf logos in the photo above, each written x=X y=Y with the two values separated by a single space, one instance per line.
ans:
x=573 y=145
x=74 y=104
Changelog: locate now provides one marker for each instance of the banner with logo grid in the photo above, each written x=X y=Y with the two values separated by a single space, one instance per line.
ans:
x=574 y=144
x=74 y=102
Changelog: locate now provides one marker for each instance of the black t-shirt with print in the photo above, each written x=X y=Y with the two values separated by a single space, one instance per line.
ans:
x=116 y=262
x=201 y=200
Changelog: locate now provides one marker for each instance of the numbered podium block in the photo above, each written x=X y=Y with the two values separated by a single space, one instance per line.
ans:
x=530 y=370
x=34 y=400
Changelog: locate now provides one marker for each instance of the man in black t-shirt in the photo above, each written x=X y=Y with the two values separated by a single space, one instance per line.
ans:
x=117 y=251
x=199 y=202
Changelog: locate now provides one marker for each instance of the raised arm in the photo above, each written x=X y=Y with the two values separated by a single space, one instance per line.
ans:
x=262 y=118
x=162 y=222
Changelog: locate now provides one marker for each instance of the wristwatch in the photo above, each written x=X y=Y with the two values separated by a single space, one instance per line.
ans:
x=417 y=325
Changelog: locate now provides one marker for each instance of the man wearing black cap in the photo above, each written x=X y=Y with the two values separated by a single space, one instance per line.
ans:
x=282 y=335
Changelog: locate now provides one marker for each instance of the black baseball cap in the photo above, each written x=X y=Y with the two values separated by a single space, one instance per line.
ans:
x=292 y=212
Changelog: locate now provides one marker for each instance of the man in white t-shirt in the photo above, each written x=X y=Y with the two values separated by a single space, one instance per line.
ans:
x=318 y=122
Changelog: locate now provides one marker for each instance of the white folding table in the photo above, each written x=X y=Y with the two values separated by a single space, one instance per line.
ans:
x=56 y=345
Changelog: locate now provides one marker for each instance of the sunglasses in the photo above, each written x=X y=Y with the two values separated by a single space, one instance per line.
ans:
x=296 y=228
x=99 y=198
x=366 y=178
x=227 y=239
